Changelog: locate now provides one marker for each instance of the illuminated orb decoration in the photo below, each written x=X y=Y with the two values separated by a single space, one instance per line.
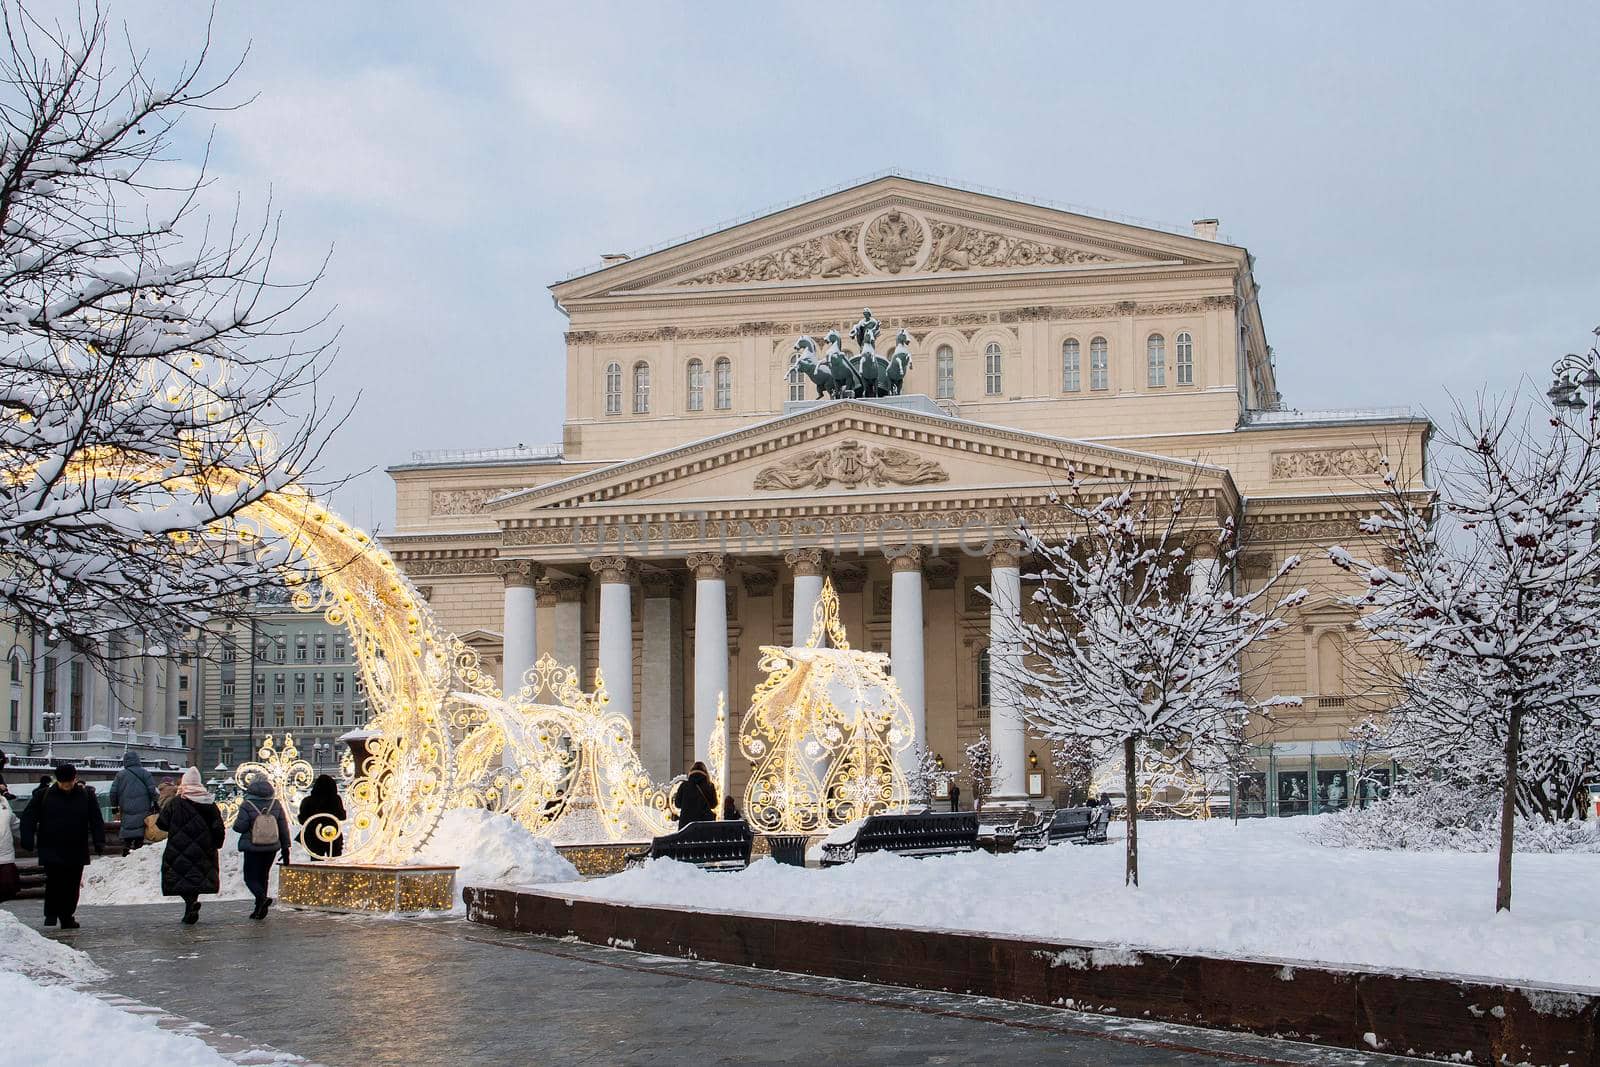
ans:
x=1166 y=786
x=822 y=733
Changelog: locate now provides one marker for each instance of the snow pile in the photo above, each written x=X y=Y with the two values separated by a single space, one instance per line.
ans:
x=23 y=950
x=1445 y=817
x=51 y=1026
x=493 y=849
x=1258 y=888
x=136 y=877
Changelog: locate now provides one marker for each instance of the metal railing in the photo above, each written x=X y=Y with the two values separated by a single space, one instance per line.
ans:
x=1263 y=417
x=912 y=175
x=485 y=455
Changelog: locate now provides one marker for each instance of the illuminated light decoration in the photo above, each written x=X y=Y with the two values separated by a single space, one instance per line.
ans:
x=1165 y=787
x=291 y=776
x=822 y=733
x=367 y=887
x=717 y=749
x=559 y=761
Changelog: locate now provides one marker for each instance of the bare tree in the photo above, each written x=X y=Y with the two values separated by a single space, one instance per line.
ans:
x=1130 y=642
x=981 y=767
x=1497 y=603
x=157 y=379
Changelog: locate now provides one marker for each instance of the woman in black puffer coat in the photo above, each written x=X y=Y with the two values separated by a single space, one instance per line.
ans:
x=194 y=830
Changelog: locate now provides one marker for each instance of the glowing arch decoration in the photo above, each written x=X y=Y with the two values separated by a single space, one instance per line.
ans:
x=823 y=733
x=1166 y=787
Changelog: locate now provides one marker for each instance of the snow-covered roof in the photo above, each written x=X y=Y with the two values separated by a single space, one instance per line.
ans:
x=1298 y=417
x=480 y=457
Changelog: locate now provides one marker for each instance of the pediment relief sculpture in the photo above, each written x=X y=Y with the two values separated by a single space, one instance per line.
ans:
x=832 y=255
x=898 y=241
x=851 y=464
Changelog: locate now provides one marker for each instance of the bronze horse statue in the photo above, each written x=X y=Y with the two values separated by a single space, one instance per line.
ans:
x=847 y=380
x=806 y=361
x=899 y=363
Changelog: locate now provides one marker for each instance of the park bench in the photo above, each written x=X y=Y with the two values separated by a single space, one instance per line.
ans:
x=925 y=834
x=722 y=845
x=1081 y=826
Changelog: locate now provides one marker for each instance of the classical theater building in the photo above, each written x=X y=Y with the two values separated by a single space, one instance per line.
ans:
x=700 y=492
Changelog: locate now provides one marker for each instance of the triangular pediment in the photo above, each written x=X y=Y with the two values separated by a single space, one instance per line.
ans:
x=852 y=450
x=896 y=228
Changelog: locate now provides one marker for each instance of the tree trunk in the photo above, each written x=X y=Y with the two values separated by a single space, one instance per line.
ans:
x=1130 y=785
x=1508 y=810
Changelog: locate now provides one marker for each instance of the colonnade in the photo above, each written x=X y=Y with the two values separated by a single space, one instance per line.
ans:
x=661 y=678
x=138 y=682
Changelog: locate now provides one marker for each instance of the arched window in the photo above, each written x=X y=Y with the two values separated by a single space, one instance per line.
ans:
x=991 y=369
x=1155 y=350
x=1071 y=380
x=797 y=384
x=697 y=386
x=722 y=381
x=1185 y=345
x=613 y=388
x=641 y=388
x=983 y=678
x=944 y=365
x=1099 y=365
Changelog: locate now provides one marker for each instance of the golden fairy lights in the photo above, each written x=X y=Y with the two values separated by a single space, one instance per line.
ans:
x=822 y=732
x=1164 y=786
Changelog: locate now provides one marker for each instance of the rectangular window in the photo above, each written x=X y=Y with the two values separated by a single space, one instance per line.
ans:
x=1185 y=359
x=183 y=681
x=321 y=654
x=227 y=755
x=1070 y=378
x=944 y=365
x=16 y=714
x=227 y=687
x=991 y=370
x=1099 y=365
x=318 y=714
x=299 y=685
x=318 y=684
x=226 y=719
x=1156 y=357
x=277 y=716
x=338 y=685
x=299 y=714
x=300 y=653
x=183 y=708
x=338 y=715
x=228 y=653
x=260 y=718
x=338 y=651
x=797 y=385
x=261 y=685
x=279 y=681
x=722 y=384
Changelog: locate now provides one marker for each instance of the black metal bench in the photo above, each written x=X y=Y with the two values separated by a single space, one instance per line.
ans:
x=924 y=834
x=1081 y=826
x=721 y=845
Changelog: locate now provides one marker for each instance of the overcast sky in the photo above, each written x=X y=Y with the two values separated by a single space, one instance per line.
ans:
x=1417 y=182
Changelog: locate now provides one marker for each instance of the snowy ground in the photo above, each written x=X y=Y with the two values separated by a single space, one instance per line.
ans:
x=1258 y=888
x=48 y=1023
x=492 y=850
x=136 y=877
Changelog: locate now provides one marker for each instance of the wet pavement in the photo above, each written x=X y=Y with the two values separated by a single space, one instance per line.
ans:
x=371 y=992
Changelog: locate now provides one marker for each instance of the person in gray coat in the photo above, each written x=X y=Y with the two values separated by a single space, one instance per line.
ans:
x=263 y=829
x=133 y=793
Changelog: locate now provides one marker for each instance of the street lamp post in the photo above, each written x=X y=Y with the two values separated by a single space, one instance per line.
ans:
x=1571 y=373
x=50 y=719
x=126 y=724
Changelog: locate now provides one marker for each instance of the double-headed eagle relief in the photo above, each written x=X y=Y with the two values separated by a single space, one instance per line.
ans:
x=840 y=374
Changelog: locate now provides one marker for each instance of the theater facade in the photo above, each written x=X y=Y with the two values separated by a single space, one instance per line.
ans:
x=701 y=492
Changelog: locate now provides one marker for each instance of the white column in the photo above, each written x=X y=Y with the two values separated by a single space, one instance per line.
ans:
x=1006 y=731
x=1204 y=571
x=97 y=695
x=710 y=644
x=808 y=565
x=661 y=676
x=566 y=644
x=519 y=632
x=63 y=708
x=170 y=729
x=905 y=642
x=616 y=630
x=152 y=715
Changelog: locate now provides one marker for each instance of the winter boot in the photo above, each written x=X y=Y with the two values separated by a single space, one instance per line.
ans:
x=191 y=913
x=260 y=911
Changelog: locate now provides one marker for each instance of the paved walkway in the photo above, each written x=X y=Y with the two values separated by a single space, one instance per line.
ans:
x=369 y=992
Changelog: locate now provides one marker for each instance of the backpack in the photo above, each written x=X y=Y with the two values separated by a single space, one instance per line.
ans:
x=264 y=827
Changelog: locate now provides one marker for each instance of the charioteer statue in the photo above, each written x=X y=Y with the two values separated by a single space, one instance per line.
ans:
x=840 y=374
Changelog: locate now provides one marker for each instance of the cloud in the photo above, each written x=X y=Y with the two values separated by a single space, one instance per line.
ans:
x=379 y=139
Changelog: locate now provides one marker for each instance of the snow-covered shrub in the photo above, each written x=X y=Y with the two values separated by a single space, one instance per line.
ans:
x=1444 y=816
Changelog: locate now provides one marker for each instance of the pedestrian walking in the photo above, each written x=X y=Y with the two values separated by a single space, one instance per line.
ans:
x=10 y=827
x=321 y=817
x=696 y=797
x=193 y=826
x=133 y=796
x=263 y=829
x=58 y=826
x=955 y=797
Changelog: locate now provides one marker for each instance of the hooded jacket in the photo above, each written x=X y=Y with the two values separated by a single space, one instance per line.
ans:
x=60 y=822
x=194 y=834
x=260 y=799
x=696 y=799
x=133 y=791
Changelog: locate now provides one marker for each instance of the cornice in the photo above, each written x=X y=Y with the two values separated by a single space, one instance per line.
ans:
x=889 y=286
